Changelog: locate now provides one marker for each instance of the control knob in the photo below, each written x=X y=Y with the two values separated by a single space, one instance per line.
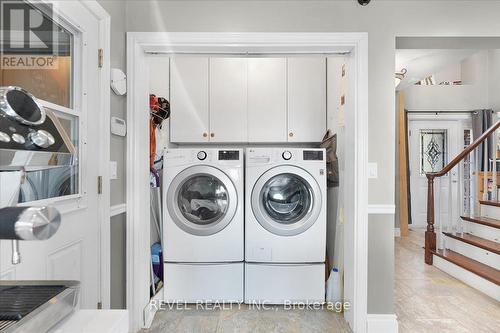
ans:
x=42 y=138
x=201 y=155
x=286 y=155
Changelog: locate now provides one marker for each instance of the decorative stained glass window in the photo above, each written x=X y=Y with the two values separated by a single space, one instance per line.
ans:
x=433 y=153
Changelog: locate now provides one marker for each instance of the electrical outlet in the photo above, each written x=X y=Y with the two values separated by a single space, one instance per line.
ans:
x=372 y=170
x=113 y=170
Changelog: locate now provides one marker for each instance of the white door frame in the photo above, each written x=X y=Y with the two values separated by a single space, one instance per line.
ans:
x=356 y=200
x=104 y=43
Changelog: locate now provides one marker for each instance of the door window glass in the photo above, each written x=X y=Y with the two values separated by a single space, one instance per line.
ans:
x=60 y=181
x=203 y=199
x=38 y=55
x=286 y=198
x=433 y=152
x=41 y=64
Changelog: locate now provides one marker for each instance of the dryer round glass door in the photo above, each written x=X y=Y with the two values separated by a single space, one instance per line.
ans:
x=286 y=200
x=202 y=200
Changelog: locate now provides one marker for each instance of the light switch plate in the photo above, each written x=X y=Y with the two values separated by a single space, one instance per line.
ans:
x=372 y=170
x=113 y=170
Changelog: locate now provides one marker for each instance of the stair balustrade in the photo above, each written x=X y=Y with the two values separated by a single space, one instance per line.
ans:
x=467 y=165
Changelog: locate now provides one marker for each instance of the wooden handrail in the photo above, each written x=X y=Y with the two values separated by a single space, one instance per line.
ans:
x=464 y=153
x=430 y=235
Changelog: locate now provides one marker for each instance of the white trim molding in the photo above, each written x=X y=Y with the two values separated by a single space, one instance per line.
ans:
x=381 y=323
x=381 y=209
x=356 y=197
x=118 y=209
x=397 y=232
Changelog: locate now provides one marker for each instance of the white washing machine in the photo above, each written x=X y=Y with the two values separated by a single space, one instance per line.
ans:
x=285 y=225
x=203 y=225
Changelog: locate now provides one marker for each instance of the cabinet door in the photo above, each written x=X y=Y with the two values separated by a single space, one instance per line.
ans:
x=228 y=99
x=306 y=99
x=189 y=99
x=267 y=100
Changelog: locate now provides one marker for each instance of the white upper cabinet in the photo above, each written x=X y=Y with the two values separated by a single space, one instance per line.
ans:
x=267 y=100
x=189 y=121
x=240 y=99
x=228 y=99
x=306 y=99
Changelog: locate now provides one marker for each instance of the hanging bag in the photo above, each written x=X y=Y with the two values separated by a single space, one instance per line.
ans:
x=329 y=142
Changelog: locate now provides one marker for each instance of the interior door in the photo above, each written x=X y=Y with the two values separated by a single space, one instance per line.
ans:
x=432 y=144
x=73 y=252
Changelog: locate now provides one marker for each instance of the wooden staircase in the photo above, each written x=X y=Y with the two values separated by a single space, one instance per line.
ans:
x=470 y=248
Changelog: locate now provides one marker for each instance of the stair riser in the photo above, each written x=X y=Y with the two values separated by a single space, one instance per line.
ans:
x=483 y=231
x=473 y=252
x=469 y=278
x=490 y=211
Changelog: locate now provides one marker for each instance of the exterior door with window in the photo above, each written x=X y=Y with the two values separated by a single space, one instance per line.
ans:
x=432 y=144
x=67 y=88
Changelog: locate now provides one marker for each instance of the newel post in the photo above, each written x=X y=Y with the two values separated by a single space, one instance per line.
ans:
x=430 y=235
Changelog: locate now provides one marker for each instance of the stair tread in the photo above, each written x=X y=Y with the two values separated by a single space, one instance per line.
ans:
x=494 y=223
x=489 y=273
x=485 y=244
x=490 y=202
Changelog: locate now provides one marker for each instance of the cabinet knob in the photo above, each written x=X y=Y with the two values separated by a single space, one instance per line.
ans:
x=205 y=134
x=212 y=135
x=290 y=134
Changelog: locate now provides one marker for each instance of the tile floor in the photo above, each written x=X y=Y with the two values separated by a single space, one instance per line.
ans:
x=429 y=300
x=426 y=300
x=245 y=319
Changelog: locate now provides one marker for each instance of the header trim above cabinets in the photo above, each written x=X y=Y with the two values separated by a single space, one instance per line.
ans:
x=255 y=43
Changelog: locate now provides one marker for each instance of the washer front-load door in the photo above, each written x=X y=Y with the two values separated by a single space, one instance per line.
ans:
x=286 y=200
x=202 y=200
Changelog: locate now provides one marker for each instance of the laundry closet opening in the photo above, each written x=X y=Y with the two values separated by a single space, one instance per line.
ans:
x=214 y=115
x=250 y=184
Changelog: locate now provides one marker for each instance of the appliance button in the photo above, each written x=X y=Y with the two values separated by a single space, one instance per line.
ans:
x=201 y=155
x=286 y=155
x=4 y=137
x=42 y=138
x=18 y=138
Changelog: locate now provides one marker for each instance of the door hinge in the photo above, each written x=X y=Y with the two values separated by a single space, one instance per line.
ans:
x=100 y=57
x=99 y=305
x=99 y=185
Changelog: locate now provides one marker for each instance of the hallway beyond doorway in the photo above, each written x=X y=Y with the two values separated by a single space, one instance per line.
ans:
x=429 y=300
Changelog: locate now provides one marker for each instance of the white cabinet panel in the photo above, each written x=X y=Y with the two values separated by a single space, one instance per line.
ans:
x=306 y=99
x=189 y=99
x=228 y=99
x=267 y=100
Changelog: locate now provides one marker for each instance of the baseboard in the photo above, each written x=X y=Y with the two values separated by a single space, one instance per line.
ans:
x=381 y=323
x=151 y=309
x=397 y=232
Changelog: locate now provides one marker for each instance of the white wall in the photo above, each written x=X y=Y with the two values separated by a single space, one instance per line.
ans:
x=383 y=20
